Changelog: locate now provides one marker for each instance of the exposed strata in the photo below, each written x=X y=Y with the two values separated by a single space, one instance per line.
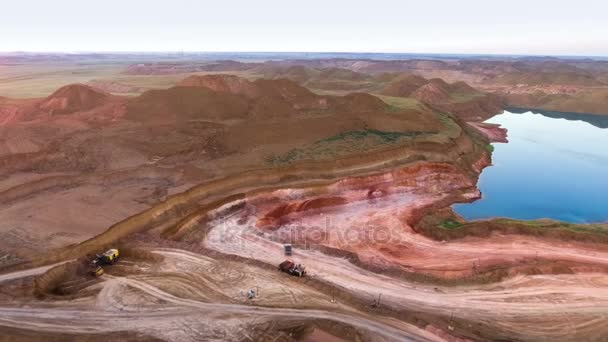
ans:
x=493 y=132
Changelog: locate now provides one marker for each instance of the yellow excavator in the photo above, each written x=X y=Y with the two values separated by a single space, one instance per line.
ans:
x=110 y=257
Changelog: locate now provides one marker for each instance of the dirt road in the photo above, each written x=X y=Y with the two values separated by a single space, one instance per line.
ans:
x=135 y=304
x=575 y=302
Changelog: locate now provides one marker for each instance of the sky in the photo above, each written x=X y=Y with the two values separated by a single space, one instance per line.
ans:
x=537 y=27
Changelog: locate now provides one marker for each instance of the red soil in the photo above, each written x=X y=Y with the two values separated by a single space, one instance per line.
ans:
x=223 y=84
x=371 y=218
x=222 y=97
x=273 y=218
x=492 y=131
x=457 y=98
x=73 y=98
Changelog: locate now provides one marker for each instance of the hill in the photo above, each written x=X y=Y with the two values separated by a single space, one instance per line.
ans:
x=74 y=98
x=458 y=98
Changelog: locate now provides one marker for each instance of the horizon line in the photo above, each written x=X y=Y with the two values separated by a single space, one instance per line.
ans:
x=178 y=52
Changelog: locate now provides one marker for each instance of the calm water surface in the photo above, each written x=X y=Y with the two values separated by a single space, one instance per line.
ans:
x=554 y=166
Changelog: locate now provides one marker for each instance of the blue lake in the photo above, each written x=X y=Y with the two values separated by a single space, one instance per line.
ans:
x=554 y=166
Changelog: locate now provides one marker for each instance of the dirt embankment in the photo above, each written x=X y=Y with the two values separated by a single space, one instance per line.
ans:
x=49 y=283
x=444 y=224
x=182 y=204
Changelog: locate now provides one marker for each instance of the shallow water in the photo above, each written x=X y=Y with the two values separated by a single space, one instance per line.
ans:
x=551 y=168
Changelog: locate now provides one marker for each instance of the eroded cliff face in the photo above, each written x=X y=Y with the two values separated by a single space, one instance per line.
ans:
x=369 y=217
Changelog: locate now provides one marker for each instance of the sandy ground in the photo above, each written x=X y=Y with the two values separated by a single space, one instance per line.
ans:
x=577 y=303
x=162 y=302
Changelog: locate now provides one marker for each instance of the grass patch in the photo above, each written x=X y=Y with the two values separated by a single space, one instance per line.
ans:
x=465 y=97
x=384 y=136
x=490 y=148
x=400 y=103
x=450 y=224
x=442 y=227
x=346 y=143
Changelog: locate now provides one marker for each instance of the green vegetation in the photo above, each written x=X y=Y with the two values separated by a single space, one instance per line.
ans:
x=490 y=148
x=453 y=130
x=450 y=224
x=465 y=97
x=442 y=227
x=557 y=225
x=385 y=136
x=400 y=103
x=343 y=144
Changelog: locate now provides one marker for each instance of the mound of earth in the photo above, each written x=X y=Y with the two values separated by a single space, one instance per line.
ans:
x=359 y=102
x=332 y=78
x=115 y=87
x=403 y=86
x=222 y=84
x=577 y=78
x=433 y=92
x=458 y=98
x=342 y=74
x=218 y=97
x=299 y=74
x=180 y=104
x=74 y=98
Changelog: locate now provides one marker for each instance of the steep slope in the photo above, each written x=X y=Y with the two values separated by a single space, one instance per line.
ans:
x=436 y=91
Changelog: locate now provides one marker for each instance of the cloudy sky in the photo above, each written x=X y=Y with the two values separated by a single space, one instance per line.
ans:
x=438 y=26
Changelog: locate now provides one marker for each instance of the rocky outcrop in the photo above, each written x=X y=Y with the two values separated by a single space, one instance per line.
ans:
x=493 y=132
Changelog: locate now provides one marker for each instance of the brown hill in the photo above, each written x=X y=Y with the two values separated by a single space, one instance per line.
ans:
x=222 y=83
x=115 y=87
x=358 y=103
x=403 y=86
x=226 y=97
x=282 y=87
x=181 y=104
x=578 y=78
x=298 y=73
x=462 y=87
x=433 y=92
x=458 y=98
x=74 y=98
x=342 y=74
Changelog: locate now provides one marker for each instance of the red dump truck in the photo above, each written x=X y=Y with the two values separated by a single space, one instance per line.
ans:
x=292 y=268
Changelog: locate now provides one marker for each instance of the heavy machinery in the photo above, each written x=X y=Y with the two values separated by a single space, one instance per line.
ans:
x=110 y=257
x=96 y=271
x=292 y=268
x=288 y=249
